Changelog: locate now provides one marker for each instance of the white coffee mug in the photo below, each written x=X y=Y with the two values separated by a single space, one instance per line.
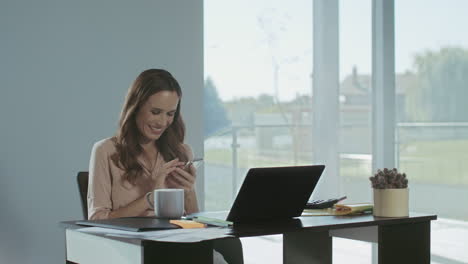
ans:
x=169 y=203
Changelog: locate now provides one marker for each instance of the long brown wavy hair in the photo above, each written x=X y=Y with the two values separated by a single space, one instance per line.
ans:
x=169 y=145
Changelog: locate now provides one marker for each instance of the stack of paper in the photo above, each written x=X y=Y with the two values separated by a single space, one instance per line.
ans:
x=171 y=235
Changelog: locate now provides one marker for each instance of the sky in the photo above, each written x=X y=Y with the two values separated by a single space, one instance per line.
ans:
x=246 y=41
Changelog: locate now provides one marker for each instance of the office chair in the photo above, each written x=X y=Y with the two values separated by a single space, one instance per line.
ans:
x=82 y=180
x=230 y=248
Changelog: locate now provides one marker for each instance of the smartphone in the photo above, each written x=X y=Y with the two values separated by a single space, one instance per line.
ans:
x=195 y=162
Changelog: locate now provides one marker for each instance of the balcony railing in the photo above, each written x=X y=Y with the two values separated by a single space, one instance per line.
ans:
x=423 y=150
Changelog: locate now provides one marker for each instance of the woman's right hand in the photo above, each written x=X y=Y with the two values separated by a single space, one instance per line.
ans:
x=165 y=170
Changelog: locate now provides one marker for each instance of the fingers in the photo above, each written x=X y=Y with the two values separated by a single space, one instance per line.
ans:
x=186 y=175
x=182 y=178
x=180 y=183
x=192 y=170
x=173 y=163
x=170 y=166
x=166 y=169
x=178 y=175
x=171 y=183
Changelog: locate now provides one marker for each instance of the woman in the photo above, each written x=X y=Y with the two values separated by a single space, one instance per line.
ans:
x=147 y=152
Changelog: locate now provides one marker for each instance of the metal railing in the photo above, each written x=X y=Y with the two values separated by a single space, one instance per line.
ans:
x=401 y=138
x=234 y=131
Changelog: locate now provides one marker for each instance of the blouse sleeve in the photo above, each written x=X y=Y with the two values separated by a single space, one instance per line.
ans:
x=100 y=184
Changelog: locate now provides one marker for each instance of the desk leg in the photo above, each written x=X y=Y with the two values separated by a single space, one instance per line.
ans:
x=405 y=243
x=307 y=247
x=162 y=252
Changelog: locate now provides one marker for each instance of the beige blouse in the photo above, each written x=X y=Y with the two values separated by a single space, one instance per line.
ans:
x=106 y=189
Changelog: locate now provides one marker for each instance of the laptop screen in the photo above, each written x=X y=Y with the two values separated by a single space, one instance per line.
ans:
x=275 y=193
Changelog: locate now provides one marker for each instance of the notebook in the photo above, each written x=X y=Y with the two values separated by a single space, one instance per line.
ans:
x=272 y=194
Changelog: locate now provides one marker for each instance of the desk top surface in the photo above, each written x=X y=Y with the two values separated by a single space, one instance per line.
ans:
x=313 y=223
x=320 y=223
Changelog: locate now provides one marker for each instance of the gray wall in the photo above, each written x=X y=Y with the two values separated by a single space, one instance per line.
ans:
x=65 y=67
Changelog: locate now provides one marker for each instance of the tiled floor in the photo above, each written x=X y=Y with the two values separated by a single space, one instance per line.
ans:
x=449 y=245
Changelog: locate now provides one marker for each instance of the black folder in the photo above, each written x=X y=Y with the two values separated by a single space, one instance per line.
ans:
x=135 y=224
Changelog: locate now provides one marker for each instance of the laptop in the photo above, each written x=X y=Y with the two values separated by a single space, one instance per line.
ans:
x=272 y=194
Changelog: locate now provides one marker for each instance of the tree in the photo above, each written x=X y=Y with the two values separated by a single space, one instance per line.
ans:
x=213 y=110
x=440 y=91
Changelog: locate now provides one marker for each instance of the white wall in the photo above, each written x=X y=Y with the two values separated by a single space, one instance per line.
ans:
x=65 y=67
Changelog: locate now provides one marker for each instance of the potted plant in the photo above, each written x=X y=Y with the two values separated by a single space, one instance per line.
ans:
x=391 y=193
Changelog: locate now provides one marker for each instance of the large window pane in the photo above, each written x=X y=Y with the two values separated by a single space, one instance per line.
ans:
x=356 y=99
x=432 y=77
x=258 y=67
x=355 y=135
x=432 y=120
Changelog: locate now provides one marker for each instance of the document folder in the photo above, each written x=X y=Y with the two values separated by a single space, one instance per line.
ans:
x=135 y=224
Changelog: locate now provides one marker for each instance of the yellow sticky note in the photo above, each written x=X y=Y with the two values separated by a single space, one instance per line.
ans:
x=187 y=223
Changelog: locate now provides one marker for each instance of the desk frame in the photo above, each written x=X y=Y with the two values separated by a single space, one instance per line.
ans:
x=399 y=243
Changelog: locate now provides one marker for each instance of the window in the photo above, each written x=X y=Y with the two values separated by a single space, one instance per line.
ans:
x=355 y=98
x=260 y=105
x=431 y=61
x=258 y=69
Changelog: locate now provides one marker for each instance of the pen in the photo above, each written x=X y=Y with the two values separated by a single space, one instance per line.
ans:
x=341 y=198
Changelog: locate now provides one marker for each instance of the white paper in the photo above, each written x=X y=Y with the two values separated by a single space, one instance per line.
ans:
x=171 y=235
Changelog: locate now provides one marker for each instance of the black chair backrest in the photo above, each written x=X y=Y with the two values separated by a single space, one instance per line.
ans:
x=82 y=180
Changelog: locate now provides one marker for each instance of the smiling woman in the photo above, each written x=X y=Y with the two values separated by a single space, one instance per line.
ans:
x=147 y=152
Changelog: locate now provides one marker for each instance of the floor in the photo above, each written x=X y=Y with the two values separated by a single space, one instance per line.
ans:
x=449 y=245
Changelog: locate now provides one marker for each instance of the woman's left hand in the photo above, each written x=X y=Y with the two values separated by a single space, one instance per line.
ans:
x=180 y=178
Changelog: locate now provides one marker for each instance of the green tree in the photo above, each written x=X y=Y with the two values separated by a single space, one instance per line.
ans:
x=213 y=110
x=440 y=89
